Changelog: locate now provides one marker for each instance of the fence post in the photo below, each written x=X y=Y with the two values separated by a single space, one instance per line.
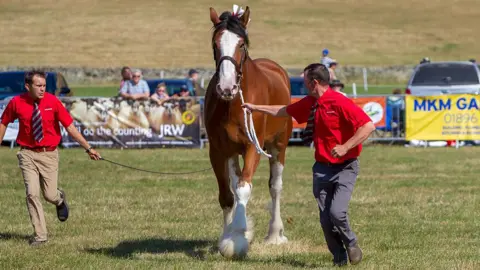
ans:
x=161 y=74
x=202 y=82
x=365 y=83
x=354 y=89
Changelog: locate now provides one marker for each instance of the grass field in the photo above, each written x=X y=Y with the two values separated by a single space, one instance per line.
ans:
x=173 y=34
x=414 y=209
x=108 y=91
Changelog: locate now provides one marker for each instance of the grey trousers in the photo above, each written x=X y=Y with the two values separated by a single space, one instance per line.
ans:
x=332 y=188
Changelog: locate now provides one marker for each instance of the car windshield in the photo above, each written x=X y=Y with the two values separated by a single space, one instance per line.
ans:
x=11 y=84
x=445 y=74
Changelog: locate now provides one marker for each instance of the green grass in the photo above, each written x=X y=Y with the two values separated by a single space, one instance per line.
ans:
x=173 y=34
x=414 y=208
x=109 y=91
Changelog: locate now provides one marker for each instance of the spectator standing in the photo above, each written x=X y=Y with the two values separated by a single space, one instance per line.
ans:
x=325 y=60
x=126 y=76
x=337 y=86
x=331 y=69
x=193 y=84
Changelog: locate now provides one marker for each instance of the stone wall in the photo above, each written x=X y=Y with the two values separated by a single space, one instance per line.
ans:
x=348 y=74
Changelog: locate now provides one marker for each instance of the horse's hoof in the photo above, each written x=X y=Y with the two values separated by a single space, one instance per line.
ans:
x=234 y=247
x=276 y=240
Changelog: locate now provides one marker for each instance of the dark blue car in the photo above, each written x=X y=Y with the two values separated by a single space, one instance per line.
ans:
x=12 y=83
x=297 y=87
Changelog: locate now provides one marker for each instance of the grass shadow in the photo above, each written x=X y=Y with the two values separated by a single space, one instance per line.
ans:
x=125 y=249
x=16 y=236
x=199 y=249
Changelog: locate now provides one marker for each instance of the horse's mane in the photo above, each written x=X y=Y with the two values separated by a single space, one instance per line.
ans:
x=232 y=24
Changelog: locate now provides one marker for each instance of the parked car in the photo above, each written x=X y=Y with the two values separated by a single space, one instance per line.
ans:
x=12 y=83
x=438 y=78
x=173 y=85
x=297 y=87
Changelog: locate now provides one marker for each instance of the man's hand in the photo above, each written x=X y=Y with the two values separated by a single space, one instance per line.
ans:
x=339 y=151
x=94 y=154
x=250 y=107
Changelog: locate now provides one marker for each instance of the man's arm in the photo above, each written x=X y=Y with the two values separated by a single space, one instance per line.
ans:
x=125 y=95
x=275 y=110
x=360 y=136
x=73 y=132
x=3 y=129
x=123 y=91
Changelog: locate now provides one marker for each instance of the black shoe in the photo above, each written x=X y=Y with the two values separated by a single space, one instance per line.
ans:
x=340 y=259
x=62 y=209
x=35 y=243
x=355 y=254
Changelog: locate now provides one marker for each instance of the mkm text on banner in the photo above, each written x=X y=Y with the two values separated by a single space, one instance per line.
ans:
x=445 y=117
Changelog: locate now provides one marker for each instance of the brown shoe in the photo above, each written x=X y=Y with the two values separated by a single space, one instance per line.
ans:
x=355 y=254
x=35 y=243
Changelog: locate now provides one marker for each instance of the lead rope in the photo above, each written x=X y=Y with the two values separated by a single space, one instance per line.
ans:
x=252 y=136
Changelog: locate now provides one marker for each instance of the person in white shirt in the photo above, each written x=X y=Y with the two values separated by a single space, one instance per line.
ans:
x=325 y=60
x=136 y=88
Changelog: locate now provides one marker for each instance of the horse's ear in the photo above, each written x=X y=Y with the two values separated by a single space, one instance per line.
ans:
x=245 y=17
x=214 y=16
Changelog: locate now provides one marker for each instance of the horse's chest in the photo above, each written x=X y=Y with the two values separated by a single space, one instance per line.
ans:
x=234 y=131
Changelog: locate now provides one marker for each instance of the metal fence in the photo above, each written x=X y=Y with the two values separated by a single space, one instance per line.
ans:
x=391 y=132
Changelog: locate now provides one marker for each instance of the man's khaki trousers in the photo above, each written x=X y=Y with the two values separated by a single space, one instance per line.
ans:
x=40 y=172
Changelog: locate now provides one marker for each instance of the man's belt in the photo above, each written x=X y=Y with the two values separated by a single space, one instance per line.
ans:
x=40 y=149
x=346 y=162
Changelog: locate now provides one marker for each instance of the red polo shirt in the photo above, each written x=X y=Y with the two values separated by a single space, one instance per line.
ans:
x=51 y=110
x=336 y=120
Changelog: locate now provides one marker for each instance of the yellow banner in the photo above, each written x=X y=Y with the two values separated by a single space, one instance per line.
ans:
x=445 y=117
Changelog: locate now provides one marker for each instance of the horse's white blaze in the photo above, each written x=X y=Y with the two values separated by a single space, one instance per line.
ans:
x=275 y=230
x=228 y=43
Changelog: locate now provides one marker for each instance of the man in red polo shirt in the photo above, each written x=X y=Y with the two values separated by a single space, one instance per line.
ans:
x=39 y=135
x=337 y=128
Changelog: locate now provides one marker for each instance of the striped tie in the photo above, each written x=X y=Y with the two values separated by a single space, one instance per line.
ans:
x=37 y=124
x=307 y=136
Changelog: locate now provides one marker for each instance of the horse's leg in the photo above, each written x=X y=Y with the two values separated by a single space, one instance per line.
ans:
x=275 y=183
x=241 y=229
x=225 y=195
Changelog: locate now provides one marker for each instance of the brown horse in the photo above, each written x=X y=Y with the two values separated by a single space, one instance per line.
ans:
x=261 y=81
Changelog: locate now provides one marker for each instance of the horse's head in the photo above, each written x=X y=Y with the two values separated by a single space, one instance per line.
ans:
x=229 y=43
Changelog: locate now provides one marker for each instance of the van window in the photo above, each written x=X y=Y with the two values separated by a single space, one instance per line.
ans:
x=445 y=74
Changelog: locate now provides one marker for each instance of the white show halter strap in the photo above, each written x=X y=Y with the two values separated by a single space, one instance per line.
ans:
x=252 y=136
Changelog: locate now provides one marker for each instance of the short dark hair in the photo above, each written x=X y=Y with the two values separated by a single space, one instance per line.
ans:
x=30 y=74
x=318 y=72
x=125 y=68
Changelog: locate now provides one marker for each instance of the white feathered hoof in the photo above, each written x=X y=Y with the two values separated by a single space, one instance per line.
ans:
x=234 y=247
x=276 y=240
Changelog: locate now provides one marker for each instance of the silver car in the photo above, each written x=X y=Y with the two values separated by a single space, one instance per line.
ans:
x=442 y=78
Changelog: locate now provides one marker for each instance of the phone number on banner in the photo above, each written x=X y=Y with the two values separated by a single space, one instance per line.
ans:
x=449 y=117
